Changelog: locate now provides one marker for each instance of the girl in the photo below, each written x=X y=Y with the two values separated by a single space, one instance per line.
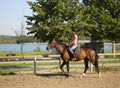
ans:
x=73 y=43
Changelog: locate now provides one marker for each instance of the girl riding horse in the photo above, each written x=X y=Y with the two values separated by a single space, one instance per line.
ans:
x=87 y=54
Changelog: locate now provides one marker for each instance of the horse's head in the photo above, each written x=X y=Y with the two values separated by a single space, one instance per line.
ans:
x=51 y=44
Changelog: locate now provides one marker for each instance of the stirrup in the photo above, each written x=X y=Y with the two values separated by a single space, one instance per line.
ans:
x=74 y=59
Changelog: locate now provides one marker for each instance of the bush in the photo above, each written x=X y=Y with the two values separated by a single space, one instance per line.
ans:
x=6 y=73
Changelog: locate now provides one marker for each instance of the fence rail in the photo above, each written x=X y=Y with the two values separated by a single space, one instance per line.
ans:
x=109 y=54
x=51 y=56
x=35 y=57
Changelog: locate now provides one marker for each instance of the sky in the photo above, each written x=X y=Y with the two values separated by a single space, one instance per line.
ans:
x=11 y=14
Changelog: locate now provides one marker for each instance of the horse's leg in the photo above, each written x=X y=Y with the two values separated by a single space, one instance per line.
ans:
x=61 y=67
x=86 y=66
x=67 y=66
x=95 y=63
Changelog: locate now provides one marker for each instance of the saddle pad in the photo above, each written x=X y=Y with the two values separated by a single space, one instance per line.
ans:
x=77 y=50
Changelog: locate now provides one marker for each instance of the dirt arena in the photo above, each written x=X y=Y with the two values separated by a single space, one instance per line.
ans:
x=55 y=80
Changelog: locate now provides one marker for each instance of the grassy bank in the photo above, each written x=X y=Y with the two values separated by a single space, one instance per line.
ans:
x=3 y=53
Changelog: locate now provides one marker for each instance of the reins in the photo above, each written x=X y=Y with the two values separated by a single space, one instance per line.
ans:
x=58 y=49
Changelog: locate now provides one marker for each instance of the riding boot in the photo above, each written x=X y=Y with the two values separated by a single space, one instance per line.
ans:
x=73 y=57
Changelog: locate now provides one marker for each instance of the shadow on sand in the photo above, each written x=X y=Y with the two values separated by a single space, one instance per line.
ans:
x=51 y=75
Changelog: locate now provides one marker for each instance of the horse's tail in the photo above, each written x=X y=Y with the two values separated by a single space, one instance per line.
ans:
x=96 y=62
x=96 y=56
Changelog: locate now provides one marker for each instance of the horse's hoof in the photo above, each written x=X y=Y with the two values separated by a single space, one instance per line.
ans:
x=83 y=75
x=67 y=75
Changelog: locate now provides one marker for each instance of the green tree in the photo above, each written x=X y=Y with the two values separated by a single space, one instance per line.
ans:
x=54 y=18
x=105 y=17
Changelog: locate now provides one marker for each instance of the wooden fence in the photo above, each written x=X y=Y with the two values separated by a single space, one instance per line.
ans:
x=52 y=56
x=35 y=57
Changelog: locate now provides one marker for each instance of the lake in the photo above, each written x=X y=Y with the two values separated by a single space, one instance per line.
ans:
x=27 y=47
x=31 y=47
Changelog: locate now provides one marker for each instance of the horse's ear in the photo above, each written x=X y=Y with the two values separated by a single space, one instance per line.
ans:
x=50 y=39
x=53 y=39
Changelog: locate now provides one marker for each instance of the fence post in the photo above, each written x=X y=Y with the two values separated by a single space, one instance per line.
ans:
x=35 y=65
x=91 y=67
x=113 y=48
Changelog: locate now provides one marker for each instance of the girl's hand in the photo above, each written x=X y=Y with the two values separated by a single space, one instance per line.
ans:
x=66 y=44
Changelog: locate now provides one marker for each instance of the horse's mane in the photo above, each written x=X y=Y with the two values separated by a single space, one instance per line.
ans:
x=57 y=41
x=61 y=43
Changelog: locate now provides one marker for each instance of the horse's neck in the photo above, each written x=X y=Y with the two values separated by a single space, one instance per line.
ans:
x=60 y=47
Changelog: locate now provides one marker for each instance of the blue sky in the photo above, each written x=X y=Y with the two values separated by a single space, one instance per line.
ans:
x=11 y=14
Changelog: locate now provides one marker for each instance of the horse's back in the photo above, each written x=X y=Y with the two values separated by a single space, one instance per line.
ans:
x=86 y=52
x=83 y=49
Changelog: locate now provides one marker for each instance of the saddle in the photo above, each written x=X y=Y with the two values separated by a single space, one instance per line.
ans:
x=77 y=50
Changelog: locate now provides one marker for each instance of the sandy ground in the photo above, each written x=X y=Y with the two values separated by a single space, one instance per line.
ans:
x=55 y=80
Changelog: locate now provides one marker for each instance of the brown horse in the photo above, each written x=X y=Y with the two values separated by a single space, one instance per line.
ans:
x=86 y=54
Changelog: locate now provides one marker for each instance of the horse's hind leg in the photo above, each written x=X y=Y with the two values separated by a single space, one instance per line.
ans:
x=95 y=63
x=86 y=66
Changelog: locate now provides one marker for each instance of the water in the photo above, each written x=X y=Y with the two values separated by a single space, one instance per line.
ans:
x=32 y=47
x=26 y=47
x=107 y=47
